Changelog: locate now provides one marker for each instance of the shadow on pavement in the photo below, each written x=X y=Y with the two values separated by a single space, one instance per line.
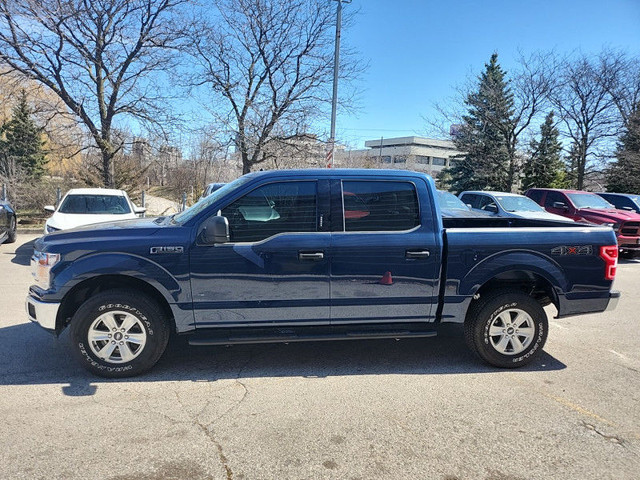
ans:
x=23 y=254
x=31 y=356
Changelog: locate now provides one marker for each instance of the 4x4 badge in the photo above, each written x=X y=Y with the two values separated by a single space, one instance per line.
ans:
x=156 y=250
x=569 y=250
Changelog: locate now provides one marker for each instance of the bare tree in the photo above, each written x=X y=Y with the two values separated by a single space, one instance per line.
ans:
x=99 y=57
x=620 y=76
x=587 y=111
x=271 y=62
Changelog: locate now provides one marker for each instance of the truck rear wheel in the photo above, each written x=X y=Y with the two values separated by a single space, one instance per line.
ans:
x=119 y=334
x=506 y=329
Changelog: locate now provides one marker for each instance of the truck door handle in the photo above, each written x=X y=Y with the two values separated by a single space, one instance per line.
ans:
x=417 y=254
x=315 y=256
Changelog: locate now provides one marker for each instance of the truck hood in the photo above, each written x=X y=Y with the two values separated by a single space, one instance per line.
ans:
x=608 y=215
x=65 y=221
x=541 y=216
x=99 y=235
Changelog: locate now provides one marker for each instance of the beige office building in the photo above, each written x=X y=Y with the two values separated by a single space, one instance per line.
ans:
x=411 y=153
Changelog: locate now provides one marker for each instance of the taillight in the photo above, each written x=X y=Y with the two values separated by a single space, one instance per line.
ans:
x=610 y=256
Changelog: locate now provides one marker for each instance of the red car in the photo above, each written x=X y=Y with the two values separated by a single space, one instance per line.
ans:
x=591 y=208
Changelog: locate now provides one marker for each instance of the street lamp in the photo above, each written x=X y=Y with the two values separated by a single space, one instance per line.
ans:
x=334 y=100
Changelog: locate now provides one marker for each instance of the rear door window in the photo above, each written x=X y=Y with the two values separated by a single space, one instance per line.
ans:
x=379 y=206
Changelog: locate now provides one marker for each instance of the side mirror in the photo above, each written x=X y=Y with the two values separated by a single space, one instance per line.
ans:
x=139 y=209
x=214 y=230
x=491 y=208
x=560 y=205
x=469 y=205
x=49 y=208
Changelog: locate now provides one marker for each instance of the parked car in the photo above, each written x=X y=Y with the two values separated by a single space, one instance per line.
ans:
x=591 y=208
x=510 y=205
x=623 y=201
x=8 y=222
x=86 y=206
x=222 y=272
x=452 y=207
x=209 y=189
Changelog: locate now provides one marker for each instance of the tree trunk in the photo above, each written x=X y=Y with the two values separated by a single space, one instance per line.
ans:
x=107 y=174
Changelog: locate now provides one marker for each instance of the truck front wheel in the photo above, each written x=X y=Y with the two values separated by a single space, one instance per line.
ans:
x=119 y=334
x=506 y=329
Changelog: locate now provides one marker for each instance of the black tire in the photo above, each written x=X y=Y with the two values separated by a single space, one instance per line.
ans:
x=515 y=345
x=150 y=328
x=13 y=234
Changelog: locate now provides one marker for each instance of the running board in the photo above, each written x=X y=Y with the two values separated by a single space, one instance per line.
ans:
x=210 y=339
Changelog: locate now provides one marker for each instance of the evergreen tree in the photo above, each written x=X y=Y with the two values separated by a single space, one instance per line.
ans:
x=481 y=136
x=544 y=168
x=571 y=166
x=624 y=175
x=22 y=145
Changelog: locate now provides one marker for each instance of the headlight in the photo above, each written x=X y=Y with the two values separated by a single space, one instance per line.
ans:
x=41 y=264
x=615 y=226
x=49 y=229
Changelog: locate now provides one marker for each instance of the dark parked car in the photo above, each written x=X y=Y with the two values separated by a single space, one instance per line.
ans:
x=209 y=189
x=452 y=207
x=8 y=222
x=623 y=201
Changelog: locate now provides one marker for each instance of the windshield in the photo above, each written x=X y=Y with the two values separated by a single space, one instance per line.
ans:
x=95 y=205
x=204 y=203
x=517 y=203
x=449 y=200
x=589 y=200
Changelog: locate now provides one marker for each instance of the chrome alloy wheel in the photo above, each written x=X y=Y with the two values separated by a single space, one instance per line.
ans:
x=117 y=337
x=512 y=331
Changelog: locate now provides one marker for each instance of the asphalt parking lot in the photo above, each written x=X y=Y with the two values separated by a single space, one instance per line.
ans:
x=423 y=408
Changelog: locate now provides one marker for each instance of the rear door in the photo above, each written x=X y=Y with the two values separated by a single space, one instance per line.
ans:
x=275 y=269
x=385 y=257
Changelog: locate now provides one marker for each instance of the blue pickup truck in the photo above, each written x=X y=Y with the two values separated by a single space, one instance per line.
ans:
x=285 y=256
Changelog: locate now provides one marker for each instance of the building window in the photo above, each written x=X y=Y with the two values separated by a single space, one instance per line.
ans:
x=422 y=159
x=439 y=161
x=385 y=159
x=400 y=159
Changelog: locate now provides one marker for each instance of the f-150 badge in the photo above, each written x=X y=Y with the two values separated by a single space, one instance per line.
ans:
x=156 y=250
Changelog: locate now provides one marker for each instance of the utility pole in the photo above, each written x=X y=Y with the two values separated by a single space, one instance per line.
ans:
x=334 y=100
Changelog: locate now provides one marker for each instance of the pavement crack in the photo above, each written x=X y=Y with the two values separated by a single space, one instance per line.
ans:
x=221 y=456
x=611 y=438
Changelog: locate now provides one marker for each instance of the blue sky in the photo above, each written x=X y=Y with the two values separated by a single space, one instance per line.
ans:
x=418 y=51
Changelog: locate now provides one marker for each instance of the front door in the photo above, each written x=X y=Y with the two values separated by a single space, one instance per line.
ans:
x=384 y=257
x=275 y=269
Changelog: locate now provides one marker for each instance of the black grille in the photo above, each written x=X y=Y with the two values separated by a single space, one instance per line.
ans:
x=32 y=311
x=630 y=228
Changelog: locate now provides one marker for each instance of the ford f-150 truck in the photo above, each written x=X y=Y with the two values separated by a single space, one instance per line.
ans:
x=285 y=256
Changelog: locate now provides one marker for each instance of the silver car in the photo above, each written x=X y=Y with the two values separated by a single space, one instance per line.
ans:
x=509 y=205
